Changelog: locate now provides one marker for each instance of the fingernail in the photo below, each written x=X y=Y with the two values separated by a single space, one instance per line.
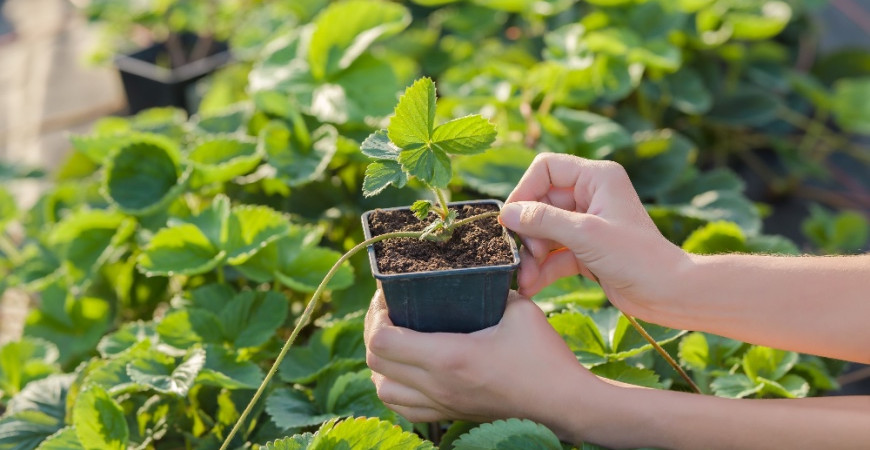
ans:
x=510 y=214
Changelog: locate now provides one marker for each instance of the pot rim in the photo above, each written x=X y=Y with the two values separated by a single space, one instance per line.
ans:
x=446 y=272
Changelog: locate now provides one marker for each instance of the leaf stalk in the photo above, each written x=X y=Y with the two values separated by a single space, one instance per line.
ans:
x=661 y=351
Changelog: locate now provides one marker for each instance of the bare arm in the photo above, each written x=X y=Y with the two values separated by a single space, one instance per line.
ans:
x=817 y=305
x=632 y=417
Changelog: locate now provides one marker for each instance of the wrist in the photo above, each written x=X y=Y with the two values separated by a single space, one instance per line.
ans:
x=582 y=405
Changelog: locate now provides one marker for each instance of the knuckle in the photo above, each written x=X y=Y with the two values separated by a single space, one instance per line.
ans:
x=454 y=363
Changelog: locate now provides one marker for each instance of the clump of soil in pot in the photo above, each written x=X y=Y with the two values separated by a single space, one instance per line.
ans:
x=479 y=243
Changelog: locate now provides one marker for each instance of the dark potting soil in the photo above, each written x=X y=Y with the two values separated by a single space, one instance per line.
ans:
x=479 y=243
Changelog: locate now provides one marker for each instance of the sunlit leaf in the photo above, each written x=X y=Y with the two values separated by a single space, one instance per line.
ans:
x=510 y=434
x=99 y=421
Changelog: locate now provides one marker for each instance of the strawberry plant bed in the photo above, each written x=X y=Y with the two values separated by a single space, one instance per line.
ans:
x=456 y=285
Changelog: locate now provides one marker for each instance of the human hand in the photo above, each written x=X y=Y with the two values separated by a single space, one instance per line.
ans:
x=576 y=215
x=518 y=368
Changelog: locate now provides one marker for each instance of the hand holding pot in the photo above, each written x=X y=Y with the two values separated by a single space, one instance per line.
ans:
x=575 y=215
x=518 y=368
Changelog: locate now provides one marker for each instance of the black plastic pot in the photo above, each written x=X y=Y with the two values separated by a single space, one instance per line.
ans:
x=148 y=85
x=456 y=300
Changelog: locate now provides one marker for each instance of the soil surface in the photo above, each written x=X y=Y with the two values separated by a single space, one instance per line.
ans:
x=480 y=243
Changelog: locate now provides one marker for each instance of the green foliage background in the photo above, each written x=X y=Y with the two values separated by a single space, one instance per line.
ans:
x=172 y=254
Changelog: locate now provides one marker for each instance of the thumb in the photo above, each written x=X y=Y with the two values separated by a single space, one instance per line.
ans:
x=543 y=221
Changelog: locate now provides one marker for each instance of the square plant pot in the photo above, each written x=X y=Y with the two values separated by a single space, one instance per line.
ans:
x=148 y=84
x=456 y=300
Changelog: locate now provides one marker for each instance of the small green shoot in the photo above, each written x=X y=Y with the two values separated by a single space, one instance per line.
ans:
x=413 y=147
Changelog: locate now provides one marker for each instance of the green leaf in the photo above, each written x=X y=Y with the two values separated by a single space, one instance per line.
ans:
x=702 y=351
x=340 y=345
x=572 y=291
x=125 y=337
x=26 y=430
x=179 y=250
x=716 y=237
x=430 y=165
x=143 y=176
x=346 y=29
x=762 y=22
x=228 y=120
x=789 y=386
x=291 y=408
x=295 y=442
x=606 y=335
x=252 y=318
x=47 y=395
x=772 y=245
x=768 y=363
x=354 y=394
x=24 y=361
x=87 y=239
x=734 y=386
x=212 y=221
x=381 y=174
x=412 y=125
x=65 y=439
x=250 y=228
x=510 y=434
x=97 y=148
x=814 y=369
x=224 y=369
x=688 y=93
x=745 y=106
x=582 y=336
x=421 y=208
x=657 y=161
x=352 y=97
x=297 y=164
x=366 y=434
x=221 y=159
x=99 y=421
x=184 y=328
x=297 y=262
x=843 y=232
x=658 y=54
x=78 y=328
x=584 y=134
x=627 y=342
x=111 y=374
x=724 y=206
x=467 y=135
x=620 y=371
x=379 y=146
x=160 y=375
x=494 y=173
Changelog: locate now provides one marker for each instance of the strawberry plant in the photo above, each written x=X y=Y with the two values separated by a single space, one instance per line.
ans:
x=172 y=255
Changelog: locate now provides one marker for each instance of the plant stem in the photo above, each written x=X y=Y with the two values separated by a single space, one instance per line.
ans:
x=670 y=360
x=303 y=320
x=442 y=202
x=467 y=220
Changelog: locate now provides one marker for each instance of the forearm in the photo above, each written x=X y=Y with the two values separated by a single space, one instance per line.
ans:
x=815 y=305
x=626 y=417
